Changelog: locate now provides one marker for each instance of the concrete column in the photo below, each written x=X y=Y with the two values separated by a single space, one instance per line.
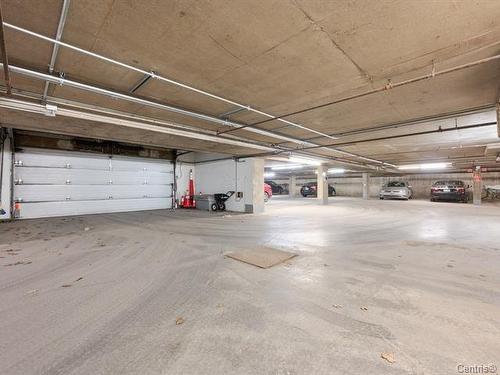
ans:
x=477 y=186
x=254 y=186
x=366 y=186
x=322 y=185
x=292 y=186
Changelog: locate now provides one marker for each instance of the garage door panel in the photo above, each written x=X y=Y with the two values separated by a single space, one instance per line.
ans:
x=120 y=164
x=50 y=209
x=140 y=178
x=51 y=193
x=31 y=158
x=56 y=183
x=60 y=176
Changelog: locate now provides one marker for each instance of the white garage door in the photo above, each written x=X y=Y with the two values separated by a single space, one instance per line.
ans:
x=60 y=183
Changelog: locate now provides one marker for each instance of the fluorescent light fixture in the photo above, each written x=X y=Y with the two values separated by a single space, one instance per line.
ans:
x=269 y=174
x=336 y=170
x=435 y=165
x=282 y=167
x=425 y=166
x=297 y=159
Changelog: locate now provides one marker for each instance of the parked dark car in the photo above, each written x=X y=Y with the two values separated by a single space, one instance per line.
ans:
x=452 y=190
x=310 y=188
x=277 y=189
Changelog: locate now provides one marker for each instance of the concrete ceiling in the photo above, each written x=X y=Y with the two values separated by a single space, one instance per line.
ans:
x=279 y=56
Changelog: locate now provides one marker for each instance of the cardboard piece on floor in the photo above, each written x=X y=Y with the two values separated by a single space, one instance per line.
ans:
x=263 y=257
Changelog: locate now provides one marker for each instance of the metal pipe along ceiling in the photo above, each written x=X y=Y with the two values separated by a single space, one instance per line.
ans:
x=144 y=123
x=389 y=86
x=3 y=52
x=113 y=94
x=41 y=109
x=164 y=79
x=55 y=49
x=133 y=99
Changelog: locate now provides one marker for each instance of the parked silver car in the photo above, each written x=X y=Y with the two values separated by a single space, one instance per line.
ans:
x=396 y=190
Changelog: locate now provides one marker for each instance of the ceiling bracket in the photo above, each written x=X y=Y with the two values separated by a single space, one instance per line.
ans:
x=226 y=115
x=142 y=81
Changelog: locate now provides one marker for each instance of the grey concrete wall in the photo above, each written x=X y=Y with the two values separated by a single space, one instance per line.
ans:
x=421 y=183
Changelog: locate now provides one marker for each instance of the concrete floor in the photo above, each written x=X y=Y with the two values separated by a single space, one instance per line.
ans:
x=428 y=274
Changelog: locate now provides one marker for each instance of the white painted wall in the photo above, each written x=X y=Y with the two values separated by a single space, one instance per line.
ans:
x=245 y=175
x=6 y=180
x=182 y=170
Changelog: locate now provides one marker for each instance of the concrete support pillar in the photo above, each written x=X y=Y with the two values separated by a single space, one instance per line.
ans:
x=366 y=186
x=292 y=186
x=254 y=186
x=477 y=186
x=322 y=185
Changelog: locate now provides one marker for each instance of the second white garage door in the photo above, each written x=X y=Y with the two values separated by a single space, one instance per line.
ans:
x=61 y=183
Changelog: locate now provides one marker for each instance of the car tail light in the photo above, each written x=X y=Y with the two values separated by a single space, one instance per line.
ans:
x=434 y=189
x=461 y=190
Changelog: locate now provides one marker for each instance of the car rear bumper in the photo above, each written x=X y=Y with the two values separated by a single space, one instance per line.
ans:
x=394 y=195
x=449 y=196
x=308 y=193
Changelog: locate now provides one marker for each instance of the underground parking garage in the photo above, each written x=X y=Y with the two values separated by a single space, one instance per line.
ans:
x=253 y=187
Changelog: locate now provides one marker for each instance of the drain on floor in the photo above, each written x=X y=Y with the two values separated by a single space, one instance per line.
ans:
x=263 y=257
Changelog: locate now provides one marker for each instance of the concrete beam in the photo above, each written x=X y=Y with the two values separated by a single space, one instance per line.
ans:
x=322 y=185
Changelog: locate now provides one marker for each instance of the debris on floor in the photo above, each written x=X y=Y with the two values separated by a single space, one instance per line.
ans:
x=364 y=308
x=337 y=306
x=263 y=257
x=70 y=285
x=389 y=357
x=23 y=262
x=87 y=229
x=179 y=320
x=31 y=292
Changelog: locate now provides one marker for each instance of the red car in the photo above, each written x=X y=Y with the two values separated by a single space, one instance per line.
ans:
x=268 y=192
